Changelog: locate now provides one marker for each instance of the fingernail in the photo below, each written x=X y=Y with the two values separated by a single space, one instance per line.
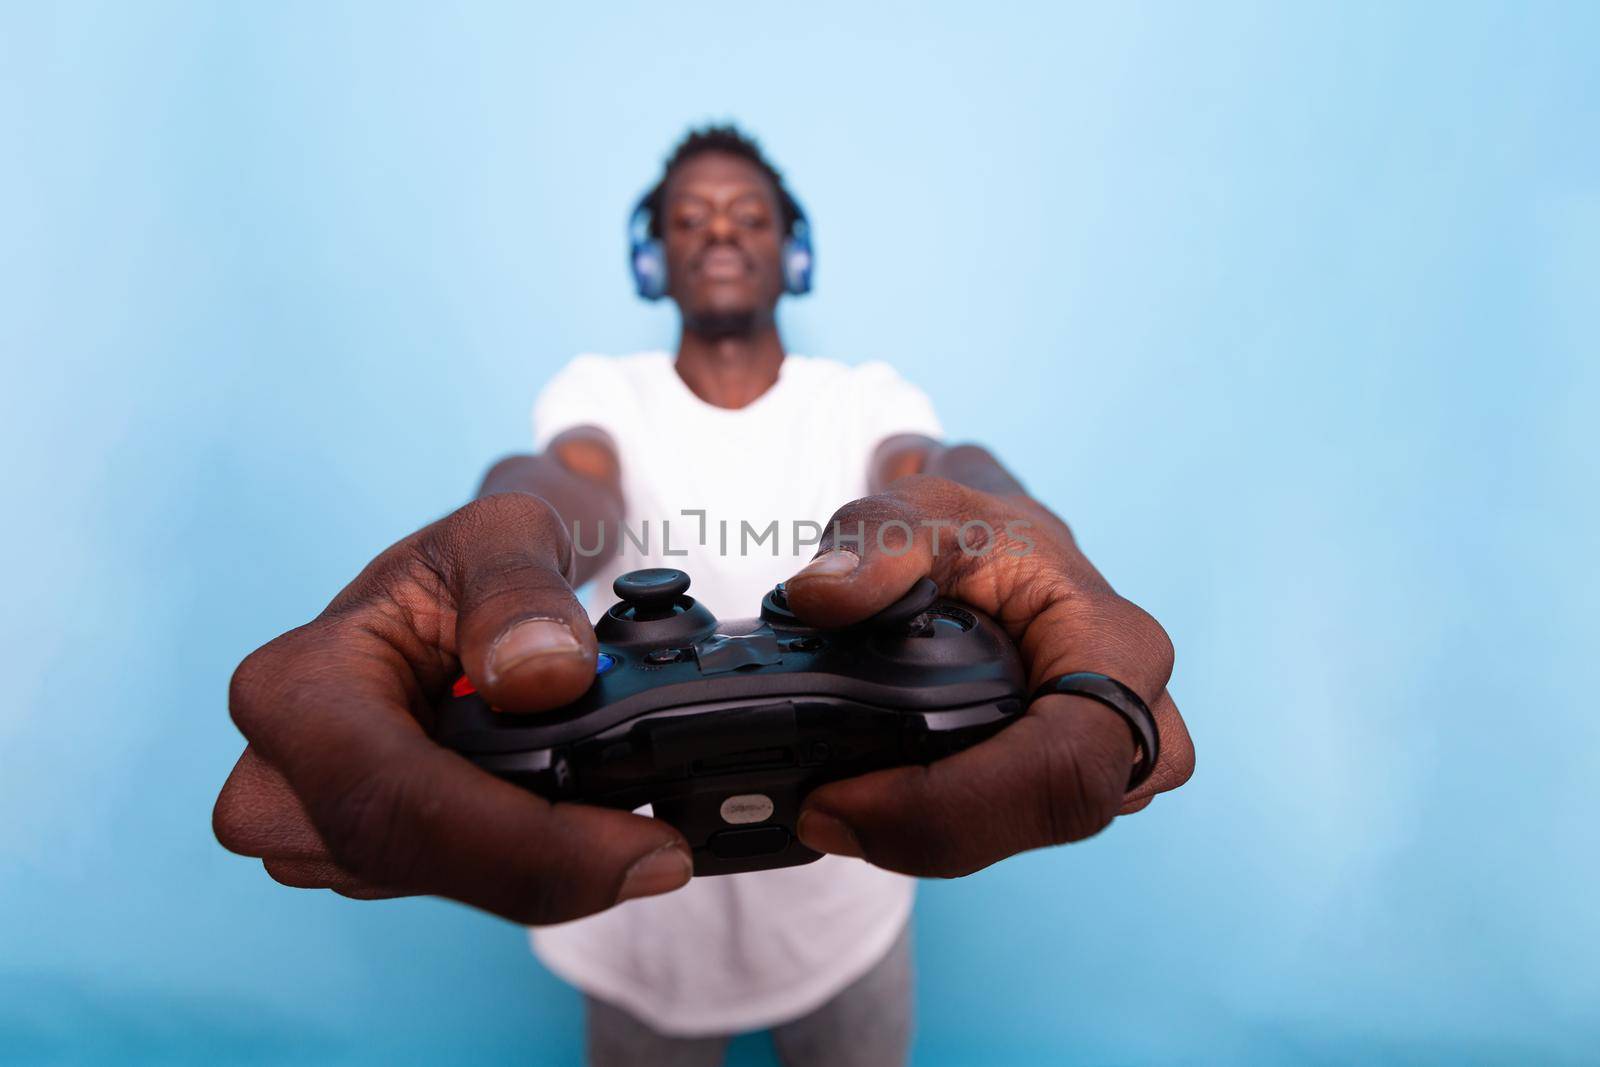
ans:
x=527 y=640
x=665 y=869
x=824 y=833
x=835 y=564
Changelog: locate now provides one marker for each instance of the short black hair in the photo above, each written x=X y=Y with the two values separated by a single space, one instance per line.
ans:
x=729 y=140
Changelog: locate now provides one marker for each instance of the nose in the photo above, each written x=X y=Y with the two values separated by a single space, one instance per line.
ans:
x=721 y=228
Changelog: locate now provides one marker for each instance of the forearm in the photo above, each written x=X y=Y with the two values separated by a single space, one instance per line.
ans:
x=975 y=467
x=970 y=465
x=584 y=501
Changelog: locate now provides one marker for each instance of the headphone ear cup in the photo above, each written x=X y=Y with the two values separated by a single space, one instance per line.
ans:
x=650 y=270
x=797 y=266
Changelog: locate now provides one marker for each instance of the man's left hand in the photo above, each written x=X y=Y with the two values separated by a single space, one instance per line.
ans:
x=1057 y=774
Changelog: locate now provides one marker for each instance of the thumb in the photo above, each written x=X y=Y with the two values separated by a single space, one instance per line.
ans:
x=872 y=552
x=521 y=635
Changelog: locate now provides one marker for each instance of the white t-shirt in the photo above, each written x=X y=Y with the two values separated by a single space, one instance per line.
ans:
x=735 y=952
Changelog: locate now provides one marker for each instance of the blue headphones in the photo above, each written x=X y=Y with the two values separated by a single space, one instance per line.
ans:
x=648 y=259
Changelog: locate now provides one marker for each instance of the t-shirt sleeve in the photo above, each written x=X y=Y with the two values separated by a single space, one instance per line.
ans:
x=891 y=405
x=583 y=393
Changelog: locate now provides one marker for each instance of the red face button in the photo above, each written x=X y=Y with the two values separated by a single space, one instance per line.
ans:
x=463 y=687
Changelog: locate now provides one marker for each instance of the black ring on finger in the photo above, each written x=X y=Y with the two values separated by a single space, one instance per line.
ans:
x=1120 y=699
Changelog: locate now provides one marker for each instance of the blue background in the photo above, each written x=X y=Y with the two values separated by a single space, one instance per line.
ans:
x=1291 y=310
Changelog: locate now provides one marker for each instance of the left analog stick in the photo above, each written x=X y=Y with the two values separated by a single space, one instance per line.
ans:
x=652 y=593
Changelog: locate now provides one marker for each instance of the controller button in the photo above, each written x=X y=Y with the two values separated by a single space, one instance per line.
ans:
x=604 y=662
x=820 y=752
x=746 y=808
x=463 y=687
x=660 y=657
x=742 y=844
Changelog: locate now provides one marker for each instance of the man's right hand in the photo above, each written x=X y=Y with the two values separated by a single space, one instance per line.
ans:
x=340 y=786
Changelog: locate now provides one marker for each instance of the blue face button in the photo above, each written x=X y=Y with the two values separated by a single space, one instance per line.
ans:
x=604 y=663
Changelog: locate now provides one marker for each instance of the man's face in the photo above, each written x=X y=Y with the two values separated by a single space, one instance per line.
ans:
x=722 y=231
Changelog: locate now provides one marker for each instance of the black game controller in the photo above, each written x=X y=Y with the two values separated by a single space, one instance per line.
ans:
x=724 y=727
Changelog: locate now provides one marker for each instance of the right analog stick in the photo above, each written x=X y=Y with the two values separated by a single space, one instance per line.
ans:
x=917 y=600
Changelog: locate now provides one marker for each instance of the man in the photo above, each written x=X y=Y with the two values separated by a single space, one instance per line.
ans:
x=341 y=788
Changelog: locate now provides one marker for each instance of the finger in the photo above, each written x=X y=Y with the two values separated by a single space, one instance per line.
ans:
x=874 y=549
x=257 y=814
x=396 y=810
x=521 y=634
x=1053 y=776
x=312 y=874
x=1108 y=635
x=1103 y=633
x=1176 y=763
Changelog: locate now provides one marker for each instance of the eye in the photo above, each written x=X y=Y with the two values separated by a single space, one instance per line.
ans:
x=755 y=219
x=689 y=218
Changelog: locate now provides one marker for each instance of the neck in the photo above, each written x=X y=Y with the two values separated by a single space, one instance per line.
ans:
x=732 y=369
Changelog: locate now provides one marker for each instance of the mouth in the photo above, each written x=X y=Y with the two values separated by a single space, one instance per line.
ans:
x=723 y=263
